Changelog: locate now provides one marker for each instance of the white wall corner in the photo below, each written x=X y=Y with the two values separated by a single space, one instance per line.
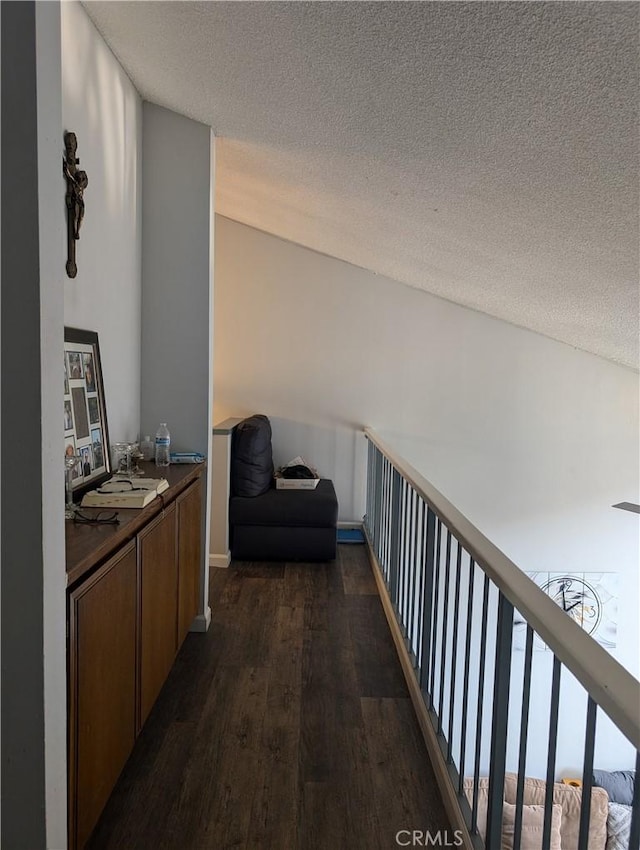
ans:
x=220 y=560
x=178 y=173
x=220 y=476
x=52 y=258
x=202 y=622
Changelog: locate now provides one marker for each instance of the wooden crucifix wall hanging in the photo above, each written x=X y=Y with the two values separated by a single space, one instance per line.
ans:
x=77 y=182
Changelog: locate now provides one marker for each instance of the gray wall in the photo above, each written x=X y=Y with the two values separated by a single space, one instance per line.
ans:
x=23 y=820
x=177 y=280
x=33 y=621
x=34 y=301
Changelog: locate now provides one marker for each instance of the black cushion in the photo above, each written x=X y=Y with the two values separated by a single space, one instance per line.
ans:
x=276 y=543
x=307 y=508
x=251 y=457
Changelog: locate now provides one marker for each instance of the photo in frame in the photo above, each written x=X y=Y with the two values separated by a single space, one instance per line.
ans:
x=85 y=412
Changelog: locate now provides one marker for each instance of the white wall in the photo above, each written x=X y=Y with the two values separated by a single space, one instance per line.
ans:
x=531 y=439
x=102 y=107
x=177 y=290
x=71 y=82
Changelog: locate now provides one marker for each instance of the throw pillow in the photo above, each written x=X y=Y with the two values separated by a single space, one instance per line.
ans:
x=251 y=457
x=532 y=827
x=618 y=827
x=619 y=784
x=569 y=798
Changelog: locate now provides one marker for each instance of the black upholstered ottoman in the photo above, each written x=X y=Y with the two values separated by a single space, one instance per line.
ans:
x=285 y=525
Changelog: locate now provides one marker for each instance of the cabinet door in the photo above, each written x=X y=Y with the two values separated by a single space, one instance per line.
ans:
x=189 y=521
x=102 y=699
x=158 y=606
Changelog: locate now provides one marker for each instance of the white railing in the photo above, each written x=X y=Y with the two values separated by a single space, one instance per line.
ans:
x=469 y=620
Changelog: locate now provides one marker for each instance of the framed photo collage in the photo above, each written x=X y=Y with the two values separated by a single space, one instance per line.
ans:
x=85 y=420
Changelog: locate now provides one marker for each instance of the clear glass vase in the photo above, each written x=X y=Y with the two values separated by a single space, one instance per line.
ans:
x=70 y=463
x=121 y=453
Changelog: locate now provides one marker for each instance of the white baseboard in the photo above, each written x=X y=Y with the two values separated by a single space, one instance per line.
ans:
x=201 y=622
x=220 y=560
x=354 y=524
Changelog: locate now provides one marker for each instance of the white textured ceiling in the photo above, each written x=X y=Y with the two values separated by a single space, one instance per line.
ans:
x=485 y=152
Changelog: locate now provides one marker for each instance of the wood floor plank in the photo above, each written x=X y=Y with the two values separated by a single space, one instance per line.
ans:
x=225 y=587
x=285 y=727
x=259 y=569
x=400 y=764
x=145 y=794
x=309 y=585
x=357 y=577
x=249 y=622
x=215 y=798
x=376 y=661
x=274 y=813
x=334 y=754
x=322 y=825
x=184 y=704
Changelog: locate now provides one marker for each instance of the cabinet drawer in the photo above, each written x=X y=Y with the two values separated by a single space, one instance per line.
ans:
x=126 y=620
x=157 y=553
x=102 y=699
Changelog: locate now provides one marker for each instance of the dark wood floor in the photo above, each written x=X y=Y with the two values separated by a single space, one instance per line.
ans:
x=287 y=726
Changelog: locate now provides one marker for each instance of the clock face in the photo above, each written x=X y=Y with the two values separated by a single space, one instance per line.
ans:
x=590 y=599
x=577 y=598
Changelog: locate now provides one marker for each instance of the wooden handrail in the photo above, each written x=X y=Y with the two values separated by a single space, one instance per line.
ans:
x=615 y=690
x=227 y=425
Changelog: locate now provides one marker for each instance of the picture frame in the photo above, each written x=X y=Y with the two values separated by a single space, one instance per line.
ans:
x=86 y=432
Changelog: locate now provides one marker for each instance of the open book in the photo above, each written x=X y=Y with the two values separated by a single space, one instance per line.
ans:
x=120 y=492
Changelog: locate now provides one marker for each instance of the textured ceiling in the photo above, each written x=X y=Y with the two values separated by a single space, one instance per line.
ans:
x=485 y=152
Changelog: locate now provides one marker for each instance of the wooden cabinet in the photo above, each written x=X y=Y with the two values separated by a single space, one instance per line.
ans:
x=189 y=506
x=134 y=590
x=102 y=705
x=158 y=606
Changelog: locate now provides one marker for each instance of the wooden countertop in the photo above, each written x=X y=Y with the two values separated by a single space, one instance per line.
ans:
x=88 y=545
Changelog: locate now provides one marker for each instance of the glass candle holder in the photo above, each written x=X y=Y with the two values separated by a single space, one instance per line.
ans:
x=70 y=463
x=122 y=458
x=136 y=457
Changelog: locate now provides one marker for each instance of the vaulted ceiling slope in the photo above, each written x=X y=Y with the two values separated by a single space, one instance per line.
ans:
x=484 y=152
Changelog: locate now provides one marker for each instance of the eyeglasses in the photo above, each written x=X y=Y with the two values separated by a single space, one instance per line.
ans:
x=101 y=518
x=122 y=485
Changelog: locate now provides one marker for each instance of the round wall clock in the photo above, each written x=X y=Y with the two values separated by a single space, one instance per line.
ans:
x=578 y=598
x=590 y=599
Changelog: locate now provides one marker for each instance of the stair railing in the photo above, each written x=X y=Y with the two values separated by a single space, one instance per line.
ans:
x=467 y=624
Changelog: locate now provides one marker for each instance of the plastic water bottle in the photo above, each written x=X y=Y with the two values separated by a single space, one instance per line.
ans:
x=147 y=447
x=163 y=443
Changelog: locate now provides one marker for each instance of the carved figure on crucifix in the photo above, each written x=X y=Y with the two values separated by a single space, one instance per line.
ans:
x=77 y=182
